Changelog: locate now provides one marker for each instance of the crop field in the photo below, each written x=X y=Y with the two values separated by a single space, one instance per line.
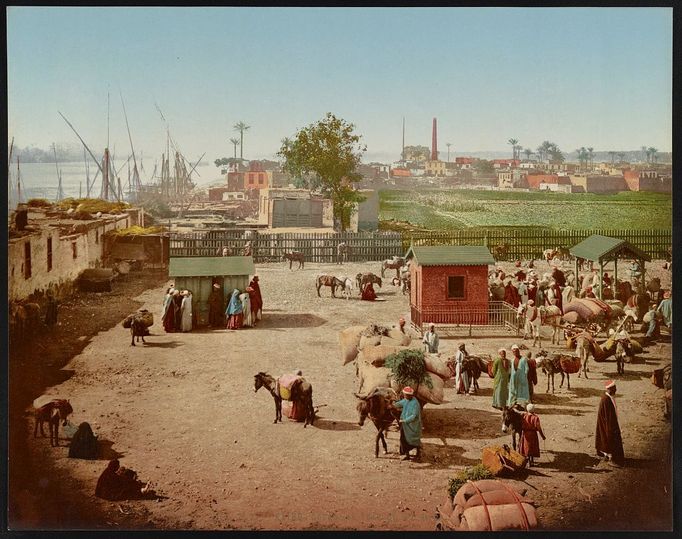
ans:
x=456 y=209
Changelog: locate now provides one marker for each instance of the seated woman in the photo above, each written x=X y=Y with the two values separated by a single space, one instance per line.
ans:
x=119 y=483
x=368 y=293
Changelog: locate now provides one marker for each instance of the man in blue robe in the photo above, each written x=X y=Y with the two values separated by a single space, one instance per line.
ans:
x=518 y=382
x=410 y=424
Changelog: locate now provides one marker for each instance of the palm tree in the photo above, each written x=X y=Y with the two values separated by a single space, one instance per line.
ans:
x=582 y=156
x=235 y=143
x=612 y=155
x=528 y=153
x=241 y=127
x=518 y=151
x=645 y=152
x=448 y=144
x=590 y=155
x=653 y=151
x=543 y=149
x=513 y=143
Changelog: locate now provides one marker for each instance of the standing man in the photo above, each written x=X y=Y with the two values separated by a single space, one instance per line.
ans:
x=665 y=308
x=340 y=252
x=52 y=307
x=501 y=379
x=518 y=382
x=410 y=424
x=533 y=322
x=529 y=445
x=215 y=307
x=523 y=291
x=461 y=376
x=257 y=301
x=653 y=318
x=608 y=441
x=532 y=375
x=431 y=340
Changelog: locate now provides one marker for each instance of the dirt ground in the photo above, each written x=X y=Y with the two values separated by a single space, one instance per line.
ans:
x=182 y=412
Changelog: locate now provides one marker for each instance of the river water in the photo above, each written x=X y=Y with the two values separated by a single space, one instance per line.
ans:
x=39 y=180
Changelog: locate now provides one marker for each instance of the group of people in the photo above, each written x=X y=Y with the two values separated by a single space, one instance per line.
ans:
x=514 y=380
x=177 y=314
x=244 y=309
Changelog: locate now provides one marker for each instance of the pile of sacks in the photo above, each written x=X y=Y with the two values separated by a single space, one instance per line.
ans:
x=369 y=346
x=487 y=505
x=586 y=309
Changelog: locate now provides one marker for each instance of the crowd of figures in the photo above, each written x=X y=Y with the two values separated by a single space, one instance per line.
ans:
x=244 y=309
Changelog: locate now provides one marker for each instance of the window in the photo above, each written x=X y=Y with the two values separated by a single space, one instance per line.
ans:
x=74 y=249
x=96 y=236
x=456 y=287
x=27 y=260
x=49 y=254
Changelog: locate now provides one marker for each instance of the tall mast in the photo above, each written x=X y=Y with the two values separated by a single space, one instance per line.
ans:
x=87 y=174
x=83 y=142
x=60 y=194
x=107 y=119
x=402 y=155
x=136 y=175
x=18 y=182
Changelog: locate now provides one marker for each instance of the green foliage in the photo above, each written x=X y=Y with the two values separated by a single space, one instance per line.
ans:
x=409 y=368
x=470 y=473
x=324 y=157
x=463 y=208
x=39 y=203
x=92 y=205
x=484 y=166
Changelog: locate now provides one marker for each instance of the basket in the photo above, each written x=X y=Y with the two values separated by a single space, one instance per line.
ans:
x=570 y=365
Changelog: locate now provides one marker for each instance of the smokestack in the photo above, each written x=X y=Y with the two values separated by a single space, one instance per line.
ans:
x=434 y=142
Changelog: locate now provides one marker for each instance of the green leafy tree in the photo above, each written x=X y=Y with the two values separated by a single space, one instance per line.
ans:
x=483 y=166
x=324 y=157
x=241 y=127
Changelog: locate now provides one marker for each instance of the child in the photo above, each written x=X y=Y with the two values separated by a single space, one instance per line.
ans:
x=529 y=445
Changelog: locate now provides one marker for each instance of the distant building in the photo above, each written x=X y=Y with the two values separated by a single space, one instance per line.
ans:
x=297 y=208
x=257 y=177
x=560 y=184
x=506 y=163
x=534 y=180
x=598 y=183
x=366 y=217
x=511 y=178
x=647 y=180
x=400 y=172
x=435 y=168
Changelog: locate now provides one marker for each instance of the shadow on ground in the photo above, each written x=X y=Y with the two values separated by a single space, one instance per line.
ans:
x=461 y=423
x=329 y=424
x=565 y=461
x=291 y=321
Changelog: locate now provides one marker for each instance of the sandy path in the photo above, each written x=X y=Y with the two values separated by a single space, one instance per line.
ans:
x=182 y=412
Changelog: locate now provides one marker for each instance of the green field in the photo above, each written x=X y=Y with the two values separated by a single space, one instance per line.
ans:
x=456 y=209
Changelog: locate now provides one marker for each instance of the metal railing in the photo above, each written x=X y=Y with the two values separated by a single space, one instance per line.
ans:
x=496 y=316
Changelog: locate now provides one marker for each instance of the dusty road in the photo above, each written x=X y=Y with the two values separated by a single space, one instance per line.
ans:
x=182 y=412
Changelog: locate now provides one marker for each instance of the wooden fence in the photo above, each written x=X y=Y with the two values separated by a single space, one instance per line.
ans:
x=371 y=246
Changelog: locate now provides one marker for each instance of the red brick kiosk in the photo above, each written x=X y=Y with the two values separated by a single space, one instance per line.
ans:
x=449 y=285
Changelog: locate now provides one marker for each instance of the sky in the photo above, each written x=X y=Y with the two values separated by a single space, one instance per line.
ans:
x=593 y=77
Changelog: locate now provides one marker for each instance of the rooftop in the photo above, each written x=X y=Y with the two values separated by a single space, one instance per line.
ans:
x=602 y=248
x=451 y=255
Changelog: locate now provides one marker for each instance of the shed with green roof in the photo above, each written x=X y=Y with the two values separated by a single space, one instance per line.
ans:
x=449 y=284
x=604 y=249
x=198 y=274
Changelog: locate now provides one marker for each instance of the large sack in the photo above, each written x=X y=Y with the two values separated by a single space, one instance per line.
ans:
x=145 y=316
x=467 y=490
x=372 y=377
x=399 y=336
x=614 y=303
x=502 y=460
x=495 y=497
x=349 y=339
x=365 y=341
x=437 y=366
x=376 y=355
x=434 y=395
x=499 y=517
x=570 y=365
x=581 y=310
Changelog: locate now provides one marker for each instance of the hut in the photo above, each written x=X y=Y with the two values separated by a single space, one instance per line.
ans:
x=199 y=274
x=449 y=284
x=603 y=249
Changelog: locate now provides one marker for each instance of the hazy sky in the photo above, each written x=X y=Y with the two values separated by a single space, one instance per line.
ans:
x=599 y=77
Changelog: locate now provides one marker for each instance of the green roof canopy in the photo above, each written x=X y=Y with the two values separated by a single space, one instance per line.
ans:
x=451 y=255
x=602 y=248
x=208 y=266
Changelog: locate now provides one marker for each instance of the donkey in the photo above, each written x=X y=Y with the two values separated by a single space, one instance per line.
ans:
x=473 y=366
x=53 y=413
x=294 y=256
x=378 y=405
x=137 y=329
x=301 y=393
x=552 y=365
x=395 y=263
x=330 y=281
x=512 y=419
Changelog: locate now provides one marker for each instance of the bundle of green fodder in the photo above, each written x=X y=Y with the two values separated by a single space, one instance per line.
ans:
x=92 y=205
x=409 y=369
x=476 y=502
